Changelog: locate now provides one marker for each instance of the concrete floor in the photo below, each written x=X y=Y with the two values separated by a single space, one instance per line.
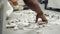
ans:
x=52 y=28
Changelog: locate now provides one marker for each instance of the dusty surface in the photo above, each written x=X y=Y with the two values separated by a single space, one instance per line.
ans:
x=24 y=22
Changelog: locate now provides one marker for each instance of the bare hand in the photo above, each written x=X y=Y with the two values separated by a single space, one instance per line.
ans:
x=14 y=2
x=42 y=17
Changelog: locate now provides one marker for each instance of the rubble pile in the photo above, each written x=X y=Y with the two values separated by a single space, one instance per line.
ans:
x=25 y=20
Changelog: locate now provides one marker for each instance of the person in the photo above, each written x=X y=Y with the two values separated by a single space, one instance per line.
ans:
x=33 y=5
x=9 y=10
x=14 y=4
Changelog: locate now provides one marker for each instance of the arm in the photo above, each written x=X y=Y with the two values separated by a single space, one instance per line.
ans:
x=33 y=4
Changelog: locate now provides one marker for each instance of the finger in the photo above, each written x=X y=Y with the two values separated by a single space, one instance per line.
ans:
x=46 y=21
x=36 y=19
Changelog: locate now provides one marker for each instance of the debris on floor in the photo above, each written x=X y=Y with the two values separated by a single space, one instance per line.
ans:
x=25 y=20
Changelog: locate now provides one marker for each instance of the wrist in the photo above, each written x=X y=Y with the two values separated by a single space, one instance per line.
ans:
x=40 y=14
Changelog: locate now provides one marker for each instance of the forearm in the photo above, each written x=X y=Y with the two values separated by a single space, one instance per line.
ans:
x=33 y=4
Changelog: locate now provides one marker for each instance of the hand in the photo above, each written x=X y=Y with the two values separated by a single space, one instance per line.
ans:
x=42 y=17
x=14 y=2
